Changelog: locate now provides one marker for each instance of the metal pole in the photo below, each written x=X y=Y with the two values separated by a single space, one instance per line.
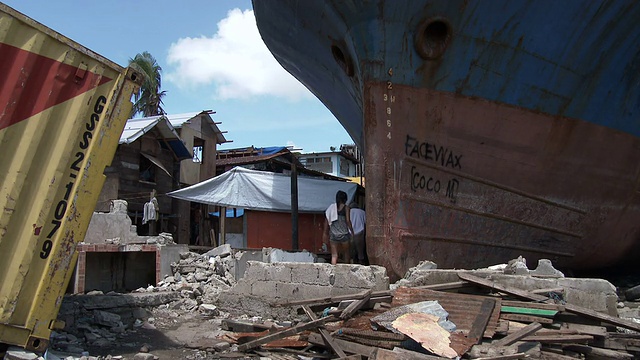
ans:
x=294 y=207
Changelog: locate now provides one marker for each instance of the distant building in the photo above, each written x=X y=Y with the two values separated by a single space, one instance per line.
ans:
x=345 y=163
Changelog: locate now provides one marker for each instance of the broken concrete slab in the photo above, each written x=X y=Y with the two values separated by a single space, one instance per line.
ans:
x=517 y=267
x=595 y=294
x=222 y=251
x=16 y=353
x=546 y=269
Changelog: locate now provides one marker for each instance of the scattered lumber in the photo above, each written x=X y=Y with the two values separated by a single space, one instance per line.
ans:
x=480 y=323
x=283 y=333
x=510 y=339
x=403 y=354
x=334 y=299
x=325 y=334
x=456 y=285
x=570 y=308
x=586 y=329
x=347 y=346
x=534 y=326
x=526 y=318
x=594 y=352
x=356 y=305
x=241 y=326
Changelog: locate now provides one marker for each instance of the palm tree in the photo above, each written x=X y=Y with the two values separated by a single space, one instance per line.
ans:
x=148 y=100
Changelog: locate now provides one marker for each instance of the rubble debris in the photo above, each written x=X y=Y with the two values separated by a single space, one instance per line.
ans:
x=571 y=308
x=283 y=333
x=546 y=269
x=426 y=330
x=517 y=267
x=493 y=316
x=325 y=334
x=512 y=338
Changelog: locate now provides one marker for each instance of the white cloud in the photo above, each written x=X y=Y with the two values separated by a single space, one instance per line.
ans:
x=235 y=61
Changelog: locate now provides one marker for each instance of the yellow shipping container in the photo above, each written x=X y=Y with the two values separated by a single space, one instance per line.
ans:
x=62 y=110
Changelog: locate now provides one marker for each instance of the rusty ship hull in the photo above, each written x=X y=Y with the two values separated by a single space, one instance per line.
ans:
x=490 y=129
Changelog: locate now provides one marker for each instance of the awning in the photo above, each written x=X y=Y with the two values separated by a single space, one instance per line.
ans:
x=157 y=162
x=265 y=191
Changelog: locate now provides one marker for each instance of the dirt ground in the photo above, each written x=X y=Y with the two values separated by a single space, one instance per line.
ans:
x=187 y=336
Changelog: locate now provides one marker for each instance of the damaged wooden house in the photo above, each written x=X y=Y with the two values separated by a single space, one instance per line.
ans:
x=161 y=154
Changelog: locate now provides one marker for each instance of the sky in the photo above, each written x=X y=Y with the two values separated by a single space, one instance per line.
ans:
x=212 y=58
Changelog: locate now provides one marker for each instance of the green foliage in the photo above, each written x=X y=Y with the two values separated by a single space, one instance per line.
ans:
x=148 y=100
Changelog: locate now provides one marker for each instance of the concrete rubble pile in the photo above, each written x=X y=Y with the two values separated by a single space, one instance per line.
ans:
x=502 y=312
x=96 y=320
x=290 y=310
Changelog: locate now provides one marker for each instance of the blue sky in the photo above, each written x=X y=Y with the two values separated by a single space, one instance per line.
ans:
x=212 y=59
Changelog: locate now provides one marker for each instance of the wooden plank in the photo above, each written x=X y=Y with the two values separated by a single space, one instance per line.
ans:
x=369 y=305
x=334 y=299
x=511 y=338
x=627 y=324
x=352 y=357
x=526 y=318
x=481 y=321
x=505 y=357
x=620 y=344
x=446 y=286
x=586 y=329
x=303 y=354
x=532 y=305
x=548 y=355
x=560 y=339
x=355 y=306
x=594 y=352
x=402 y=354
x=325 y=334
x=240 y=326
x=346 y=346
x=284 y=333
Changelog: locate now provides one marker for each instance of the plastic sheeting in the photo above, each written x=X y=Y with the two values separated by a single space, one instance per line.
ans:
x=266 y=191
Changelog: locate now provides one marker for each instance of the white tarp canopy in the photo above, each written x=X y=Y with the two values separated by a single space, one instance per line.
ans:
x=267 y=191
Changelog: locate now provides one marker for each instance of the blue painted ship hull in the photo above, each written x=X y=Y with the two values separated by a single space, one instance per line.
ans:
x=525 y=113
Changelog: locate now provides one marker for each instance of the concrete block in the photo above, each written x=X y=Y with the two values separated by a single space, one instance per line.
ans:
x=266 y=289
x=360 y=277
x=599 y=294
x=318 y=274
x=313 y=292
x=170 y=254
x=278 y=272
x=242 y=263
x=278 y=255
x=288 y=291
x=255 y=271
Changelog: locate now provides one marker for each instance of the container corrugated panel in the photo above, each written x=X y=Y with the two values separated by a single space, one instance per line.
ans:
x=62 y=109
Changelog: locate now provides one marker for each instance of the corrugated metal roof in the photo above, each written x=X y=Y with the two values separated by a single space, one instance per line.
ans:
x=178 y=120
x=135 y=128
x=462 y=308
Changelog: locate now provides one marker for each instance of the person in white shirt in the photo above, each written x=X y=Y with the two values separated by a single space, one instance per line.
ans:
x=358 y=221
